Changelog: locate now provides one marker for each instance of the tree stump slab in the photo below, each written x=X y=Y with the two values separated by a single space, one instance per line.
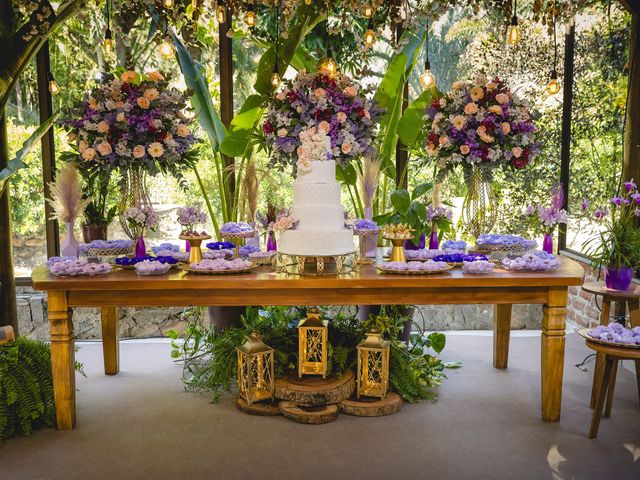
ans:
x=309 y=415
x=314 y=390
x=389 y=405
x=264 y=409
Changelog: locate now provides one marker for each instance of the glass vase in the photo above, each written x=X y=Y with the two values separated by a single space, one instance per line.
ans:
x=272 y=244
x=371 y=241
x=409 y=245
x=141 y=248
x=618 y=278
x=69 y=246
x=547 y=243
x=480 y=206
x=133 y=193
x=434 y=242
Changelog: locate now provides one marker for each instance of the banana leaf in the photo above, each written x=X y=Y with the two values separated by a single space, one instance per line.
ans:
x=196 y=79
x=410 y=125
x=307 y=19
x=242 y=125
x=390 y=97
x=17 y=162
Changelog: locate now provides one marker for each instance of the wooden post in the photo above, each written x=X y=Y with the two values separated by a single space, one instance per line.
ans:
x=567 y=106
x=552 y=353
x=62 y=359
x=8 y=303
x=48 y=149
x=631 y=168
x=402 y=156
x=501 y=334
x=110 y=322
x=225 y=51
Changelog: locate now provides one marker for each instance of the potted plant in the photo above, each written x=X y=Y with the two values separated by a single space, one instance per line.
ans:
x=98 y=214
x=616 y=249
x=546 y=219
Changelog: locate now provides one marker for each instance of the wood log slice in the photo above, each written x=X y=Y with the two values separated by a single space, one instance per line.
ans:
x=265 y=409
x=309 y=415
x=314 y=390
x=389 y=405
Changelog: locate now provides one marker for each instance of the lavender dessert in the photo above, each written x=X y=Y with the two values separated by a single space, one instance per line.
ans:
x=534 y=262
x=479 y=267
x=616 y=333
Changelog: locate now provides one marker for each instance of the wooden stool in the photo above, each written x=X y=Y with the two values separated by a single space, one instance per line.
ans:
x=611 y=355
x=632 y=298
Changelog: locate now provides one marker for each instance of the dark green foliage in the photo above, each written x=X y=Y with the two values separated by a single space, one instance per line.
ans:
x=210 y=358
x=26 y=387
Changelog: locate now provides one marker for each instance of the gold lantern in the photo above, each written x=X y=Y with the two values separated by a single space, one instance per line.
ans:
x=256 y=378
x=313 y=337
x=373 y=365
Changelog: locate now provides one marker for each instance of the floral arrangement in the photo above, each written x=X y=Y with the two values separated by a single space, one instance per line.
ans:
x=549 y=217
x=285 y=222
x=481 y=123
x=459 y=258
x=397 y=231
x=312 y=107
x=165 y=247
x=534 y=261
x=455 y=245
x=149 y=267
x=221 y=246
x=362 y=225
x=141 y=219
x=617 y=245
x=315 y=146
x=504 y=242
x=266 y=220
x=220 y=264
x=189 y=217
x=134 y=121
x=480 y=267
x=77 y=267
x=616 y=333
x=438 y=214
x=428 y=266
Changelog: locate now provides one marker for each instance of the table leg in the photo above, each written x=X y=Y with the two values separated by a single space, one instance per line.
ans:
x=602 y=392
x=634 y=319
x=597 y=370
x=501 y=332
x=62 y=359
x=110 y=319
x=552 y=354
x=611 y=388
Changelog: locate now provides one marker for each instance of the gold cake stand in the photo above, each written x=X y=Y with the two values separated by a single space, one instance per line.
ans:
x=297 y=264
x=362 y=238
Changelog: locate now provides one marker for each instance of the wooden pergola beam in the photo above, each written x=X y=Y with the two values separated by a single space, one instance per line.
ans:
x=631 y=168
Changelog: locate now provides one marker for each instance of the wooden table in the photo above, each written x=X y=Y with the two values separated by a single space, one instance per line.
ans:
x=365 y=287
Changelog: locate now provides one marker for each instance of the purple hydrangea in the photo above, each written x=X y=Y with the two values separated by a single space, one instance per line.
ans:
x=616 y=333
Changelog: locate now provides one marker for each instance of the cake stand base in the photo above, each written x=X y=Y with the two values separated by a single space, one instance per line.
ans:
x=315 y=265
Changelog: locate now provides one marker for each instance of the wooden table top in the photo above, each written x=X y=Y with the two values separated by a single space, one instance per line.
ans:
x=600 y=288
x=570 y=273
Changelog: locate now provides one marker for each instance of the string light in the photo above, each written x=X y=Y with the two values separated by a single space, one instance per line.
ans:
x=370 y=35
x=166 y=49
x=368 y=11
x=513 y=34
x=108 y=37
x=167 y=3
x=427 y=80
x=221 y=13
x=275 y=76
x=553 y=87
x=250 y=17
x=54 y=88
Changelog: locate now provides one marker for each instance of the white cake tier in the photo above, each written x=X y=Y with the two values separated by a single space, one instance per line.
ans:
x=321 y=243
x=318 y=217
x=316 y=193
x=321 y=172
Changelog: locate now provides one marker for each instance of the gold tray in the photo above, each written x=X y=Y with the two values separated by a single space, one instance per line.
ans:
x=583 y=333
x=413 y=272
x=186 y=268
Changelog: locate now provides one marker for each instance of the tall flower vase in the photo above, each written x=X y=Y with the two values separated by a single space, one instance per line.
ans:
x=272 y=244
x=70 y=246
x=409 y=245
x=371 y=241
x=187 y=246
x=133 y=193
x=547 y=243
x=618 y=278
x=480 y=206
x=434 y=242
x=141 y=248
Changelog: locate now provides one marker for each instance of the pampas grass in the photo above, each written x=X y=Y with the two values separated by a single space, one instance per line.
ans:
x=368 y=181
x=66 y=195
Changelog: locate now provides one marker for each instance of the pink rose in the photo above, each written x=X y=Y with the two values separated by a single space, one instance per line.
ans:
x=506 y=128
x=88 y=154
x=104 y=148
x=342 y=117
x=138 y=151
x=128 y=76
x=346 y=148
x=502 y=98
x=143 y=102
x=481 y=130
x=516 y=151
x=155 y=76
x=103 y=127
x=324 y=125
x=82 y=146
x=470 y=108
x=151 y=94
x=319 y=92
x=351 y=91
x=464 y=149
x=283 y=223
x=443 y=140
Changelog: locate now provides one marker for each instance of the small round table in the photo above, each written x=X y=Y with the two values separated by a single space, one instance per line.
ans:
x=632 y=299
x=611 y=355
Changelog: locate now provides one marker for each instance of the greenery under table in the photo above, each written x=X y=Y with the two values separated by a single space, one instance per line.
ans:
x=265 y=287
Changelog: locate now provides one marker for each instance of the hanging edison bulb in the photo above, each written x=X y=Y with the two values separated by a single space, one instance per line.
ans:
x=221 y=13
x=166 y=49
x=108 y=41
x=368 y=11
x=513 y=34
x=250 y=17
x=54 y=88
x=370 y=35
x=328 y=66
x=427 y=80
x=275 y=76
x=167 y=3
x=553 y=87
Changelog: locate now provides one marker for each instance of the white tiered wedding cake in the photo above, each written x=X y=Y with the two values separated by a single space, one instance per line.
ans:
x=316 y=206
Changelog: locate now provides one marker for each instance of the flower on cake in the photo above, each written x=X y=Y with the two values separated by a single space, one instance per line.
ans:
x=315 y=146
x=284 y=222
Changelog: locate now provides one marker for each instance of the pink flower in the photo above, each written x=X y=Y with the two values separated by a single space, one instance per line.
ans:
x=88 y=154
x=502 y=98
x=476 y=93
x=346 y=148
x=497 y=109
x=351 y=91
x=464 y=149
x=103 y=127
x=284 y=223
x=459 y=85
x=443 y=140
x=367 y=114
x=82 y=146
x=516 y=151
x=143 y=102
x=155 y=149
x=505 y=127
x=319 y=92
x=104 y=148
x=342 y=117
x=183 y=130
x=128 y=76
x=155 y=76
x=324 y=125
x=151 y=94
x=471 y=108
x=282 y=132
x=138 y=151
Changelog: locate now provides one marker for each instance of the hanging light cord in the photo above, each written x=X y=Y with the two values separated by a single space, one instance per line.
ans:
x=277 y=34
x=427 y=63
